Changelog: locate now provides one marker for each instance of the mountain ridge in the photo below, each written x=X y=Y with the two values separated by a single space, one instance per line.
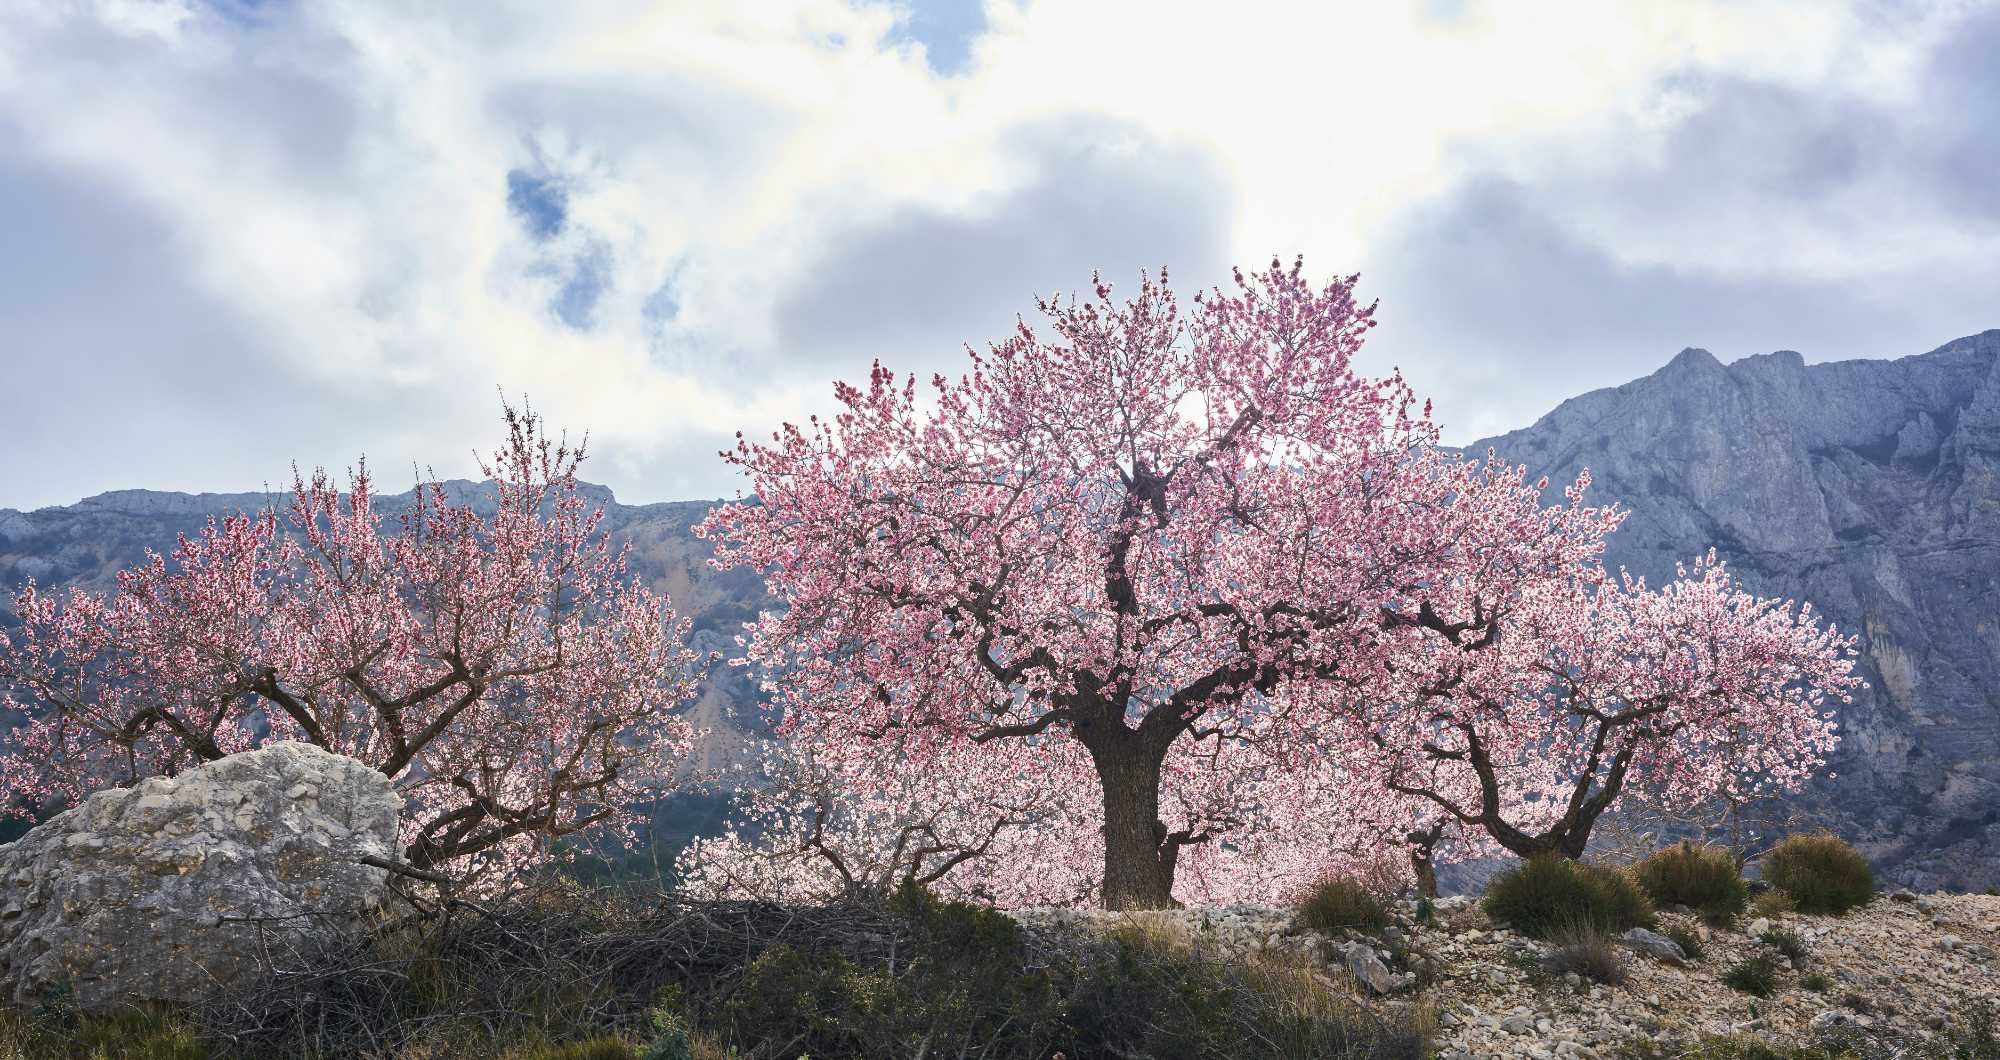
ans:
x=1870 y=488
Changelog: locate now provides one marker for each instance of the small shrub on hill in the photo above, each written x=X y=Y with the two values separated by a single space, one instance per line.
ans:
x=1788 y=943
x=1543 y=894
x=1581 y=947
x=1153 y=995
x=1334 y=902
x=1821 y=873
x=1757 y=976
x=1688 y=939
x=1772 y=904
x=1703 y=878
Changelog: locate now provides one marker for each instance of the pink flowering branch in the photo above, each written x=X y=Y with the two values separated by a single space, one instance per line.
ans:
x=502 y=666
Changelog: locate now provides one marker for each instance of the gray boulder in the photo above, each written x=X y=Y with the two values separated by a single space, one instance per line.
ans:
x=1655 y=944
x=175 y=886
x=1361 y=962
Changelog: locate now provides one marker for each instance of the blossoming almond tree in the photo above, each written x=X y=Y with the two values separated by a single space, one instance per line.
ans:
x=1020 y=823
x=1598 y=685
x=1135 y=529
x=503 y=668
x=1012 y=824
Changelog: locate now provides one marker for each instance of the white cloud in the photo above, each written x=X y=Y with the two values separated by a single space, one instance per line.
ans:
x=758 y=197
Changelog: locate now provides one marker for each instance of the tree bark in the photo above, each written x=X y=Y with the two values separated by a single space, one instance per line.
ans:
x=1138 y=854
x=1423 y=864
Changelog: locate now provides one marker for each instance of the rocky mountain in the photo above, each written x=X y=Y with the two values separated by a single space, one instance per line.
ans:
x=1870 y=488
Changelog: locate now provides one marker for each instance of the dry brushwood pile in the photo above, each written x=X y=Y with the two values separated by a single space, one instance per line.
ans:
x=666 y=977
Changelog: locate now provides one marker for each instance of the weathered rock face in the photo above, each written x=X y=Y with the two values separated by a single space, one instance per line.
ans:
x=1872 y=489
x=162 y=890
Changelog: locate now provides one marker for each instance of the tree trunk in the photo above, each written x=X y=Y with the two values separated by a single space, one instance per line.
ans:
x=1138 y=858
x=1423 y=850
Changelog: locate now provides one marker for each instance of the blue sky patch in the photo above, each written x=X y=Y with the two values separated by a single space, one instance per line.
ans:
x=946 y=29
x=541 y=202
x=576 y=304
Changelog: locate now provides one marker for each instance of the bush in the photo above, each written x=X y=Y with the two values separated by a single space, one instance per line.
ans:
x=1580 y=947
x=1772 y=904
x=1821 y=873
x=1335 y=902
x=1154 y=995
x=1543 y=894
x=1788 y=943
x=1688 y=939
x=1817 y=982
x=1703 y=878
x=1978 y=1037
x=1757 y=976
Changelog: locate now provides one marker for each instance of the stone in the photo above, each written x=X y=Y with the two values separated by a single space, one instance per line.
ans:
x=1368 y=969
x=1757 y=928
x=179 y=885
x=1655 y=945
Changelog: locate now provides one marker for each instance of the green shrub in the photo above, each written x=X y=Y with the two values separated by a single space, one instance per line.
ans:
x=1817 y=982
x=1335 y=902
x=1757 y=976
x=1786 y=942
x=1154 y=995
x=1426 y=912
x=1543 y=894
x=1978 y=1037
x=1772 y=904
x=1580 y=947
x=1821 y=873
x=1688 y=939
x=1703 y=878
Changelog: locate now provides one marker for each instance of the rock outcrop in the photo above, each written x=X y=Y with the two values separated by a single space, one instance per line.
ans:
x=1870 y=488
x=171 y=887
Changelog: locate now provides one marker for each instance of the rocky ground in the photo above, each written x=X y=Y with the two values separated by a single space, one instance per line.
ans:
x=1901 y=970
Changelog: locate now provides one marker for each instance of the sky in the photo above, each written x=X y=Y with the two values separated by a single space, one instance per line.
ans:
x=235 y=234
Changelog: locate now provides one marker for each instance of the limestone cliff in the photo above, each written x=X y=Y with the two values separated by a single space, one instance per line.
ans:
x=1872 y=489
